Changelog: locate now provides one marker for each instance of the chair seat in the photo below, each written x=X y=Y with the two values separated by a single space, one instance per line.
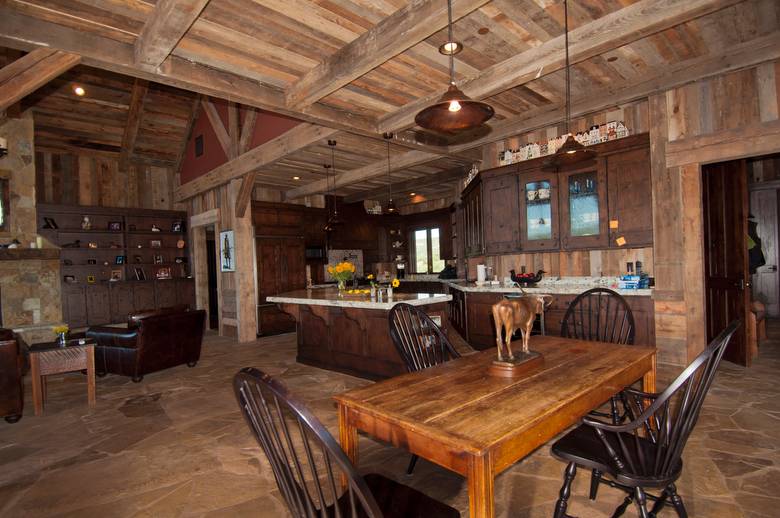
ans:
x=401 y=501
x=584 y=447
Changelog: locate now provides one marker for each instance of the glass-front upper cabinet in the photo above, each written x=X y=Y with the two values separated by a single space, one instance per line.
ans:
x=583 y=207
x=538 y=210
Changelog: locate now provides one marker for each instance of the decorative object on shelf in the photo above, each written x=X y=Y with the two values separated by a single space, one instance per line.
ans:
x=68 y=262
x=86 y=224
x=390 y=208
x=120 y=259
x=69 y=279
x=397 y=244
x=571 y=152
x=116 y=275
x=137 y=259
x=140 y=246
x=75 y=244
x=543 y=193
x=114 y=245
x=177 y=226
x=14 y=244
x=526 y=279
x=473 y=172
x=89 y=261
x=342 y=272
x=164 y=273
x=510 y=315
x=155 y=228
x=227 y=251
x=180 y=260
x=62 y=335
x=115 y=226
x=92 y=244
x=454 y=112
x=91 y=279
x=154 y=243
x=3 y=147
x=139 y=273
x=180 y=244
x=50 y=224
x=158 y=259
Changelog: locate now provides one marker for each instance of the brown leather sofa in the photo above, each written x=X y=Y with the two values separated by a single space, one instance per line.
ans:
x=12 y=367
x=152 y=341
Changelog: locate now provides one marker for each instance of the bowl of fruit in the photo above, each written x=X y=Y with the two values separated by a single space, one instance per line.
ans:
x=526 y=279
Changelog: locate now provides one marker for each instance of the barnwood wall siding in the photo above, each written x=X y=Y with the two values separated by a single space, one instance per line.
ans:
x=68 y=179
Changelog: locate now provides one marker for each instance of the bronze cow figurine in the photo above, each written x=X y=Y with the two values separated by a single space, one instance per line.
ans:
x=513 y=314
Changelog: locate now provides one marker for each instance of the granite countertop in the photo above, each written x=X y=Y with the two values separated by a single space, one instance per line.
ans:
x=432 y=278
x=554 y=286
x=330 y=297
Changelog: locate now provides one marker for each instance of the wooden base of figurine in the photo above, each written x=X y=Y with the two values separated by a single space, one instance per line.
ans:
x=522 y=364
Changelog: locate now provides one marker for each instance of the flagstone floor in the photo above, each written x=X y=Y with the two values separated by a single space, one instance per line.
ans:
x=175 y=445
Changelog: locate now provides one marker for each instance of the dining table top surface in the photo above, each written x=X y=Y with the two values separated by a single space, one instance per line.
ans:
x=459 y=405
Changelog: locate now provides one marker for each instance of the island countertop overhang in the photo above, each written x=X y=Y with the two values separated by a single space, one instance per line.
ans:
x=330 y=297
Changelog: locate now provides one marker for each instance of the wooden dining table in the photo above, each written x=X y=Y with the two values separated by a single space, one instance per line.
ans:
x=477 y=425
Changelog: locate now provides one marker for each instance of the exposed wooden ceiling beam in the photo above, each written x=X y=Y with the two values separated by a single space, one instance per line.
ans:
x=245 y=193
x=167 y=23
x=247 y=130
x=194 y=111
x=398 y=32
x=137 y=96
x=381 y=193
x=410 y=159
x=30 y=72
x=298 y=137
x=606 y=33
x=217 y=125
x=20 y=31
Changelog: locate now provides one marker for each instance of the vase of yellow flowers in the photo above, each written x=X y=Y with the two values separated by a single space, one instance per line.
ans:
x=342 y=272
x=394 y=284
x=372 y=282
x=62 y=335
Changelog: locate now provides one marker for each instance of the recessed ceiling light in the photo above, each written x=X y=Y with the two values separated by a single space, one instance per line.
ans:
x=450 y=48
x=412 y=194
x=296 y=177
x=79 y=91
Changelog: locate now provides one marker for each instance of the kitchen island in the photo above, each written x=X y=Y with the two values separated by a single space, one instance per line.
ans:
x=350 y=333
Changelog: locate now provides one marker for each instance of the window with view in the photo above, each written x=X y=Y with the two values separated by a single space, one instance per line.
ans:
x=426 y=250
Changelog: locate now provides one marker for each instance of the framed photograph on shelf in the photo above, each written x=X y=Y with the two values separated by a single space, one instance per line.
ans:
x=177 y=226
x=115 y=226
x=164 y=273
x=92 y=244
x=116 y=275
x=91 y=261
x=139 y=274
x=50 y=224
x=70 y=279
x=227 y=251
x=155 y=243
x=91 y=279
x=158 y=259
x=120 y=259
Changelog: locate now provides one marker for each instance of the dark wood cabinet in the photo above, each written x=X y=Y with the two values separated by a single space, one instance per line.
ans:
x=121 y=297
x=539 y=215
x=98 y=305
x=630 y=203
x=472 y=231
x=500 y=199
x=582 y=195
x=277 y=220
x=185 y=292
x=281 y=267
x=457 y=311
x=74 y=305
x=165 y=293
x=143 y=295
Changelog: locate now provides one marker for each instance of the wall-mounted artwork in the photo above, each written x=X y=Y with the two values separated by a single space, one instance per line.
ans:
x=227 y=252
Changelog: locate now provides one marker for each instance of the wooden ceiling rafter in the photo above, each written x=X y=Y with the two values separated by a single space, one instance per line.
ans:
x=412 y=184
x=30 y=72
x=133 y=124
x=166 y=25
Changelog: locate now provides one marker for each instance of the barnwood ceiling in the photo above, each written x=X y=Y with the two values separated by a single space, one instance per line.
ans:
x=364 y=66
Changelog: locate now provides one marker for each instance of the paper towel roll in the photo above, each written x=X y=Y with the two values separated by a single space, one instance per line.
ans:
x=481 y=273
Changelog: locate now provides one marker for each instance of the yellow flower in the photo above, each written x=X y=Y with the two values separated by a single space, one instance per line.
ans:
x=370 y=277
x=60 y=329
x=330 y=269
x=396 y=283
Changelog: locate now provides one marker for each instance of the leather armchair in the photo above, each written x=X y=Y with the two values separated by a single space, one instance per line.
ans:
x=11 y=377
x=152 y=342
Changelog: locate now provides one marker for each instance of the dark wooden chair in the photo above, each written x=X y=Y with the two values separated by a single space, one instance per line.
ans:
x=420 y=343
x=310 y=467
x=646 y=452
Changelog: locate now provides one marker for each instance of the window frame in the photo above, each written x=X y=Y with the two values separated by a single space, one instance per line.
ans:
x=429 y=248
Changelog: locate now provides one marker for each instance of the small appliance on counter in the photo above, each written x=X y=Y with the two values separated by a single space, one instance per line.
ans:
x=400 y=270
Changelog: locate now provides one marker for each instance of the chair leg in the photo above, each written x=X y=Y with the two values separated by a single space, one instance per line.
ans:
x=641 y=502
x=412 y=464
x=659 y=504
x=677 y=501
x=622 y=507
x=568 y=478
x=595 y=480
x=13 y=418
x=613 y=401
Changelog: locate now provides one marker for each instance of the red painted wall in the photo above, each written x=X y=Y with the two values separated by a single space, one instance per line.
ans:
x=268 y=126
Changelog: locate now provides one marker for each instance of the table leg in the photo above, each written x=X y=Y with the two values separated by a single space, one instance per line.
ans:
x=648 y=381
x=348 y=437
x=37 y=389
x=480 y=479
x=91 y=375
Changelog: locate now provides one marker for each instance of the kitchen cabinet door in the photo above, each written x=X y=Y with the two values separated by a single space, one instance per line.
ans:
x=501 y=227
x=472 y=219
x=98 y=305
x=538 y=211
x=583 y=199
x=630 y=200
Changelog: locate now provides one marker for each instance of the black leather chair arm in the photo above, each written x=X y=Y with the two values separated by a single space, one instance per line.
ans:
x=113 y=336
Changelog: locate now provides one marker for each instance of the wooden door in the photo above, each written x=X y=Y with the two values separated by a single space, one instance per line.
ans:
x=630 y=203
x=500 y=198
x=98 y=305
x=538 y=210
x=268 y=266
x=292 y=274
x=726 y=276
x=766 y=282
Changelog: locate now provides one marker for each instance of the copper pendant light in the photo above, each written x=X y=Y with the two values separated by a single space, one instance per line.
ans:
x=571 y=152
x=455 y=111
x=390 y=207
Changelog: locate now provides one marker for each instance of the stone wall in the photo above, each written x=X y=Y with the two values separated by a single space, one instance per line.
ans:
x=19 y=168
x=30 y=291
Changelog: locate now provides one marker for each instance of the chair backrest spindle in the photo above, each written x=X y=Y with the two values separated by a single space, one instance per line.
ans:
x=599 y=314
x=419 y=341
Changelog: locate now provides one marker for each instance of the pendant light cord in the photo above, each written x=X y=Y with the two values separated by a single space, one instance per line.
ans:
x=568 y=80
x=449 y=38
x=333 y=166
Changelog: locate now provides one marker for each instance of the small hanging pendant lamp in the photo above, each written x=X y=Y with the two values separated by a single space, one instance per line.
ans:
x=390 y=207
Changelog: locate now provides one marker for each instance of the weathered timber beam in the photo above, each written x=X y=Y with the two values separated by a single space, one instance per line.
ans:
x=194 y=111
x=609 y=32
x=137 y=96
x=263 y=155
x=217 y=125
x=247 y=130
x=245 y=194
x=398 y=32
x=23 y=32
x=30 y=72
x=447 y=175
x=233 y=123
x=167 y=24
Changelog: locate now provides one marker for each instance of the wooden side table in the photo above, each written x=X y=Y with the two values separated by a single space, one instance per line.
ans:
x=50 y=358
